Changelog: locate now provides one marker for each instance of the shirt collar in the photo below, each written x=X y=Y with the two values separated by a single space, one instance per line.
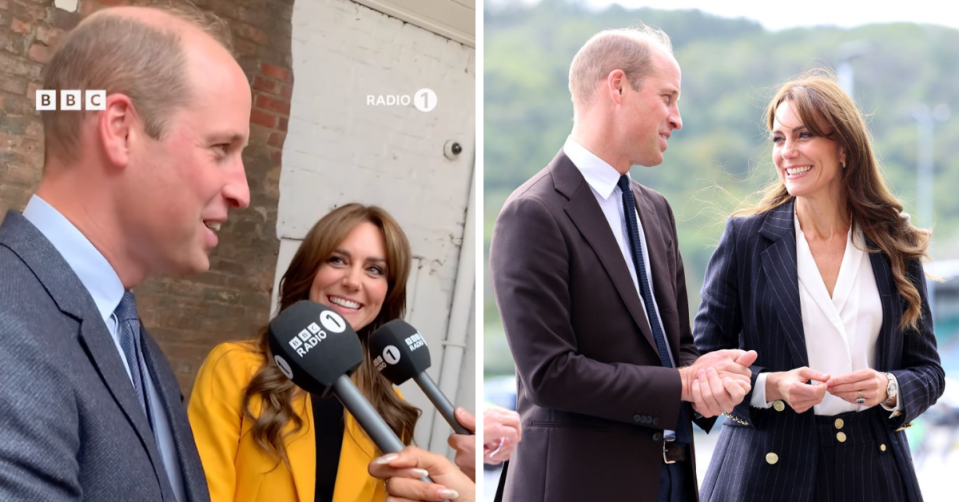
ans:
x=93 y=270
x=598 y=173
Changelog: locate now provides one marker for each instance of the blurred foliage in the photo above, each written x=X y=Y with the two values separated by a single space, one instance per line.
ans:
x=731 y=67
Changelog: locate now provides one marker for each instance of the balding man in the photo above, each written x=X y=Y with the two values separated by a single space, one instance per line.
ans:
x=589 y=281
x=90 y=407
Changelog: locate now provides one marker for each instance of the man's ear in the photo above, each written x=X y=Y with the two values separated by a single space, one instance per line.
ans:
x=615 y=84
x=116 y=129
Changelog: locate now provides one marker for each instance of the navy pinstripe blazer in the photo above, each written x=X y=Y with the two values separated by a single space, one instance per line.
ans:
x=750 y=300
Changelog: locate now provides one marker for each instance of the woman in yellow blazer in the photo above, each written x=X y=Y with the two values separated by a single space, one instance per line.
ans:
x=296 y=446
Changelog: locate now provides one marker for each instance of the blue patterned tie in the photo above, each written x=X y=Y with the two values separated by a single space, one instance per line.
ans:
x=128 y=329
x=683 y=434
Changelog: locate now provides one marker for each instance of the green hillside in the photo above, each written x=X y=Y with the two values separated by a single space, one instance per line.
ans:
x=722 y=154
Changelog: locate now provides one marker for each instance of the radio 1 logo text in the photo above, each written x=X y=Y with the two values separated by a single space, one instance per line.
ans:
x=424 y=100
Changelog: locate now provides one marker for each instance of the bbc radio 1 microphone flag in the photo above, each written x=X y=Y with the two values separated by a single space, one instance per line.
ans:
x=400 y=353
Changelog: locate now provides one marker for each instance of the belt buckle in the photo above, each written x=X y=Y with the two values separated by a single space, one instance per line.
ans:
x=665 y=459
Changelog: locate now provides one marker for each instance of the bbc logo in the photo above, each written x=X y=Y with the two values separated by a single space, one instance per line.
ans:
x=71 y=100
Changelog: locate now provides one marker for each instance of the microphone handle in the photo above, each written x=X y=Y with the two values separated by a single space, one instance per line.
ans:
x=440 y=401
x=371 y=421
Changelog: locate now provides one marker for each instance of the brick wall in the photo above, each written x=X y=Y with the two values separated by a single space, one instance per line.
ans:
x=187 y=316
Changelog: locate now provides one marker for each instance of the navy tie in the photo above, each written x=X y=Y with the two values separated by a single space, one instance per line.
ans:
x=128 y=329
x=683 y=434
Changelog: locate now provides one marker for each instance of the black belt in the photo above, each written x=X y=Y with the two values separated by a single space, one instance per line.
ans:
x=673 y=452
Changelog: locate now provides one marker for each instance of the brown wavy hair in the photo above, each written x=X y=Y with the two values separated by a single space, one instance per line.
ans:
x=275 y=391
x=826 y=110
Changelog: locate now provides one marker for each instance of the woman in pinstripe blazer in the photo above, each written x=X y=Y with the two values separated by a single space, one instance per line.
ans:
x=824 y=280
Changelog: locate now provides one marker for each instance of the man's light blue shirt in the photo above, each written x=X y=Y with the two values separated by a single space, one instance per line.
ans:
x=103 y=284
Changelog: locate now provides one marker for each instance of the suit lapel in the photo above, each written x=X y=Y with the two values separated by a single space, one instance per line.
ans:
x=658 y=244
x=73 y=299
x=302 y=453
x=301 y=450
x=779 y=265
x=356 y=435
x=585 y=213
x=194 y=480
x=888 y=353
x=106 y=359
x=349 y=488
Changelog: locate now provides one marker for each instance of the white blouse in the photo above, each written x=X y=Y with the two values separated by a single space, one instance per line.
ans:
x=841 y=331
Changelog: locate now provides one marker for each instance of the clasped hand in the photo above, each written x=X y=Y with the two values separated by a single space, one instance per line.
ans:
x=803 y=388
x=717 y=381
x=870 y=382
x=501 y=433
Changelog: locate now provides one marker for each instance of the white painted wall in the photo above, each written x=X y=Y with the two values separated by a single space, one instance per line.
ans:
x=454 y=19
x=339 y=149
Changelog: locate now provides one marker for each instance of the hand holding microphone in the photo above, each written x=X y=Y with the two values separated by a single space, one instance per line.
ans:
x=400 y=353
x=395 y=468
x=465 y=445
x=318 y=350
x=501 y=433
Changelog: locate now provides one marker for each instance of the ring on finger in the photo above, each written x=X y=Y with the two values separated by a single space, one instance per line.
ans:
x=860 y=399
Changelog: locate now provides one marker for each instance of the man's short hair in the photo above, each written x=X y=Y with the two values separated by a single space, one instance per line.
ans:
x=627 y=49
x=120 y=54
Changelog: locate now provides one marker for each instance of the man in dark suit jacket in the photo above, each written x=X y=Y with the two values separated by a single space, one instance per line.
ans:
x=596 y=343
x=89 y=406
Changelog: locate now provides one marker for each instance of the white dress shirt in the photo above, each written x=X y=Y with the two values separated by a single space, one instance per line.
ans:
x=101 y=281
x=841 y=331
x=602 y=179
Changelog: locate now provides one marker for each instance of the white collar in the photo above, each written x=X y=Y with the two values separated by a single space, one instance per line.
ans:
x=598 y=173
x=91 y=267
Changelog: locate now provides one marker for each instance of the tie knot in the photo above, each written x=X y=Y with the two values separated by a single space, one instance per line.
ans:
x=127 y=310
x=623 y=182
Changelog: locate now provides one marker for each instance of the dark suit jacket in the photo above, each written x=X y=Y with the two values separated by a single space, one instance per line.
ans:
x=592 y=392
x=70 y=424
x=751 y=301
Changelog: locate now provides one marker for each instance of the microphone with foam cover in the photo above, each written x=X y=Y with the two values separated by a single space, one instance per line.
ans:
x=400 y=353
x=318 y=350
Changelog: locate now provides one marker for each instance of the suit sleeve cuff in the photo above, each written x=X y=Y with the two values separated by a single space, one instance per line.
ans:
x=759 y=392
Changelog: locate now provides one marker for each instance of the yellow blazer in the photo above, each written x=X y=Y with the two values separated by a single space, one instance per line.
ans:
x=237 y=470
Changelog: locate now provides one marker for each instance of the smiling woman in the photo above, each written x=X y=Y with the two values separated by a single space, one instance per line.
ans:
x=262 y=438
x=824 y=280
x=353 y=280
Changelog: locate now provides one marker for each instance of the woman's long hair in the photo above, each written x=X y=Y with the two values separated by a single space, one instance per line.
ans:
x=827 y=111
x=275 y=391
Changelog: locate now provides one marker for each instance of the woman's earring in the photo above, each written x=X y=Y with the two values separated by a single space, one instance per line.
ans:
x=843 y=163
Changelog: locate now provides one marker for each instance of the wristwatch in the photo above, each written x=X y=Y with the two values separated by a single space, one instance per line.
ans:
x=892 y=389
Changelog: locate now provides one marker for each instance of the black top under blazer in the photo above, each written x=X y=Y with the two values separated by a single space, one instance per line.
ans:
x=750 y=300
